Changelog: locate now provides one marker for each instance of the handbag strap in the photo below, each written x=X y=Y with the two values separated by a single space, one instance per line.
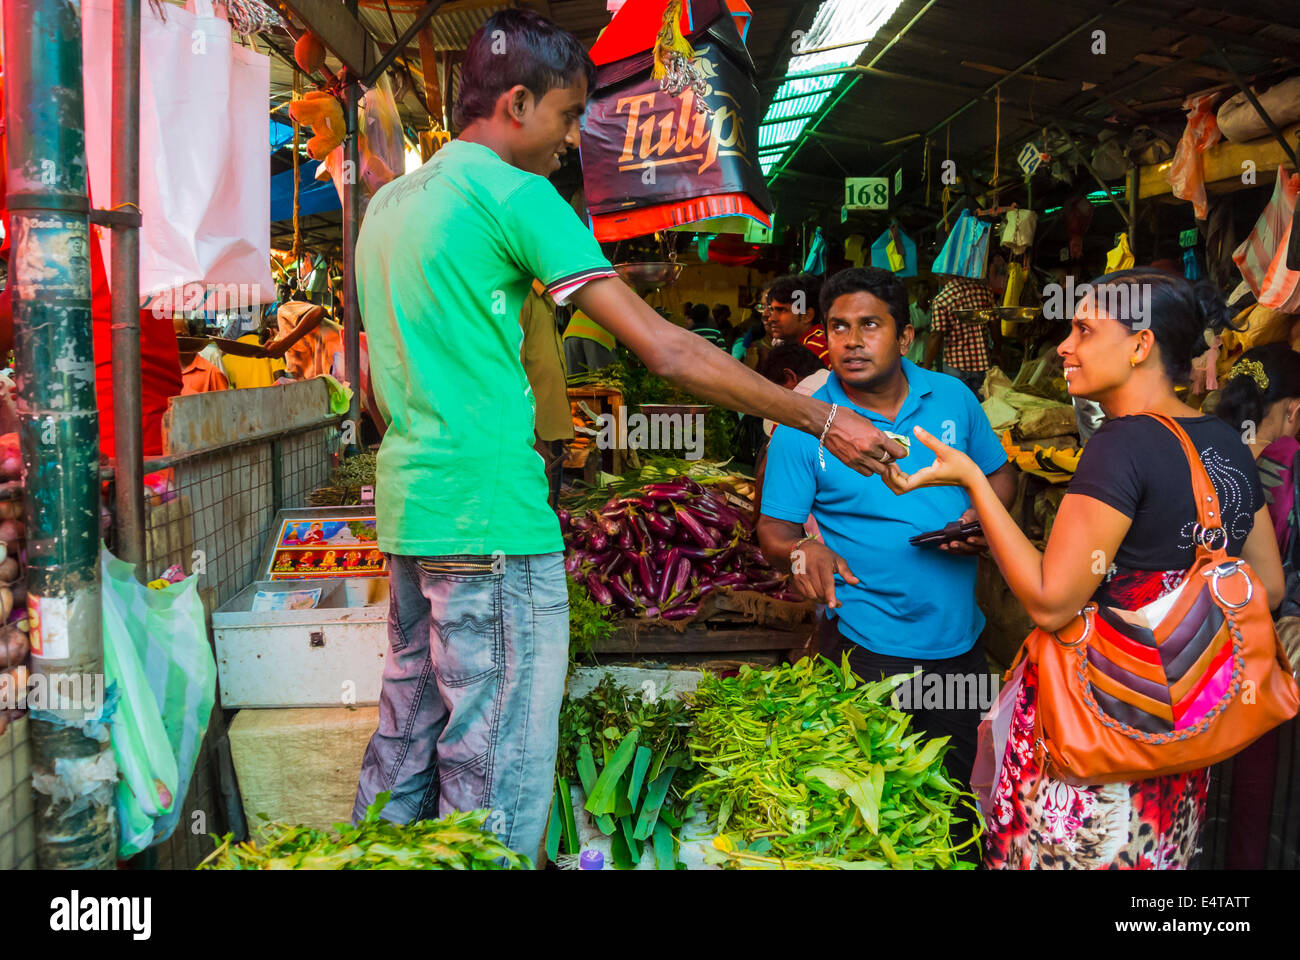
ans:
x=1208 y=516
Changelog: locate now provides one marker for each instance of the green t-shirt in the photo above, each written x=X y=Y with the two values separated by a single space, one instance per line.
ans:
x=445 y=259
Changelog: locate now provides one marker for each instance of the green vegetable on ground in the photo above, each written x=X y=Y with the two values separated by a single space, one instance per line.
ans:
x=456 y=842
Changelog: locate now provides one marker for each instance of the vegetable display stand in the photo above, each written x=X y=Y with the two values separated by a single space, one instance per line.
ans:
x=729 y=622
x=600 y=400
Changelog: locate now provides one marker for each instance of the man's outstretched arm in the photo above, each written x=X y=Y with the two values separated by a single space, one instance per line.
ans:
x=694 y=364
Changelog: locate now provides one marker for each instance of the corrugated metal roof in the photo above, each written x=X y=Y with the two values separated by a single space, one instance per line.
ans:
x=451 y=30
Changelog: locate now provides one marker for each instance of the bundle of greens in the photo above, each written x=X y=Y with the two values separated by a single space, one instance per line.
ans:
x=344 y=488
x=629 y=753
x=456 y=842
x=590 y=623
x=803 y=766
x=655 y=470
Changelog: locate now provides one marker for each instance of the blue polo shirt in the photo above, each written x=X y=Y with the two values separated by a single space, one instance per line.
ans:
x=912 y=601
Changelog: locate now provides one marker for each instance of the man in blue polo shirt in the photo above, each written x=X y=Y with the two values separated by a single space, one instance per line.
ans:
x=897 y=607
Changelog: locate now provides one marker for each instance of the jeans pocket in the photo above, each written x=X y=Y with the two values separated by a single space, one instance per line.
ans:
x=465 y=617
x=548 y=583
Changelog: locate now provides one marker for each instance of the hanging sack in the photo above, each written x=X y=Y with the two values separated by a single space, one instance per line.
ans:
x=205 y=163
x=1121 y=256
x=1239 y=121
x=1182 y=683
x=156 y=651
x=1018 y=234
x=1262 y=256
x=902 y=262
x=965 y=252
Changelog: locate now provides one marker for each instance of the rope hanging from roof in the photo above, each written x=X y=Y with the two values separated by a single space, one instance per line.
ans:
x=947 y=189
x=297 y=174
x=997 y=146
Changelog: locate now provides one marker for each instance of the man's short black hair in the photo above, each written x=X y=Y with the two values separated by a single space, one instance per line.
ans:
x=794 y=357
x=515 y=47
x=879 y=283
x=699 y=314
x=784 y=289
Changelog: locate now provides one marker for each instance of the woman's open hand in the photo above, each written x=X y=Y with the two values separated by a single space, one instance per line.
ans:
x=951 y=468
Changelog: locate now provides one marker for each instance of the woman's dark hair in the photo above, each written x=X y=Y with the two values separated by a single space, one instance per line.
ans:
x=517 y=47
x=1177 y=312
x=1242 y=400
x=879 y=283
x=790 y=356
x=786 y=288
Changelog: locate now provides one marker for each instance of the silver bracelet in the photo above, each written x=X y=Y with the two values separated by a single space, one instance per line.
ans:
x=821 y=444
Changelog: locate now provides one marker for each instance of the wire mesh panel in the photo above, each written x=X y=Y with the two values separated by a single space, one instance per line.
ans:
x=17 y=810
x=213 y=517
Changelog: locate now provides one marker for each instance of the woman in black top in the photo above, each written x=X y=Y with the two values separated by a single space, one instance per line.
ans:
x=1122 y=537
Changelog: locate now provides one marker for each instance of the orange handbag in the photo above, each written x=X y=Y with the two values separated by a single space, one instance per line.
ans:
x=1184 y=682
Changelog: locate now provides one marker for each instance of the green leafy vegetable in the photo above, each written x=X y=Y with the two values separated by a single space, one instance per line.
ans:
x=456 y=842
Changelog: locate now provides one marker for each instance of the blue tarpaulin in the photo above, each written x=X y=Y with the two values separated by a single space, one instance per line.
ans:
x=315 y=196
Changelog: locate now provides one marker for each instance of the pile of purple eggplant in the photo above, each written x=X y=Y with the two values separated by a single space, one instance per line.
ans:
x=656 y=552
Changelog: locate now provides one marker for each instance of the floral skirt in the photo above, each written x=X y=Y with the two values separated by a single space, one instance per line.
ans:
x=1038 y=822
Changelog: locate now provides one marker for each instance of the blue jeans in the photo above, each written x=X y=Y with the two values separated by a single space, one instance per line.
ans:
x=470 y=706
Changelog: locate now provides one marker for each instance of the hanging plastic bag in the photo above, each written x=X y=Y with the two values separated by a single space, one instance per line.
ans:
x=903 y=246
x=156 y=651
x=1121 y=256
x=1262 y=256
x=205 y=177
x=381 y=149
x=816 y=262
x=1185 y=174
x=965 y=253
x=992 y=738
x=1018 y=234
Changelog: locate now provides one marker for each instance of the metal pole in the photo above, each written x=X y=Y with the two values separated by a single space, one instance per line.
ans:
x=58 y=428
x=421 y=18
x=1083 y=157
x=1133 y=177
x=351 y=224
x=128 y=428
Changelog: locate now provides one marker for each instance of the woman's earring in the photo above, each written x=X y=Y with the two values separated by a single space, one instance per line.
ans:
x=1133 y=361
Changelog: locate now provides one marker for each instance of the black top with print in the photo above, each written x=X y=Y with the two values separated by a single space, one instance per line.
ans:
x=1137 y=466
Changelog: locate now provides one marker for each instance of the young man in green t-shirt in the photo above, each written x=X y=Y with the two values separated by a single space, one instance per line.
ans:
x=478 y=617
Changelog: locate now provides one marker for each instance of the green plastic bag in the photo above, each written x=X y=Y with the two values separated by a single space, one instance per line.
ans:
x=156 y=651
